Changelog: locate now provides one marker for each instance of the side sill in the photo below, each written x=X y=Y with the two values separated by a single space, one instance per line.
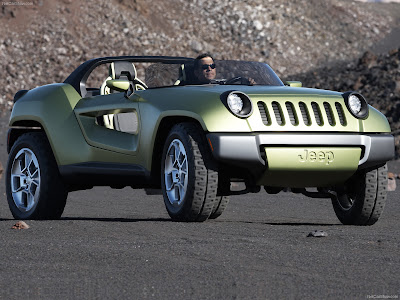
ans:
x=86 y=175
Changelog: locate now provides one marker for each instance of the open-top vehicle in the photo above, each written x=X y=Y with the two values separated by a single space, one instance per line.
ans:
x=144 y=122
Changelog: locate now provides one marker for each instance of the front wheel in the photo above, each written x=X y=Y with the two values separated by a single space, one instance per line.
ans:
x=361 y=201
x=33 y=184
x=189 y=179
x=219 y=206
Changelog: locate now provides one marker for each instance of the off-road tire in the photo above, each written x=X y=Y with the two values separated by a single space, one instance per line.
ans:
x=49 y=191
x=367 y=192
x=219 y=207
x=201 y=186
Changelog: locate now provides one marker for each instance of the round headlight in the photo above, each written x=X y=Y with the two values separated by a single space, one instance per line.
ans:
x=235 y=103
x=356 y=105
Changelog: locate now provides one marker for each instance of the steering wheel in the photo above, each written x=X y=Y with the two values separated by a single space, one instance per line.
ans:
x=240 y=79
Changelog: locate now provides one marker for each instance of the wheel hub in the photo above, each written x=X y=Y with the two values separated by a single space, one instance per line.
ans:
x=176 y=172
x=25 y=180
x=175 y=176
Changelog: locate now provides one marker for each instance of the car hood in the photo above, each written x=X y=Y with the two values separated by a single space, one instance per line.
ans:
x=263 y=90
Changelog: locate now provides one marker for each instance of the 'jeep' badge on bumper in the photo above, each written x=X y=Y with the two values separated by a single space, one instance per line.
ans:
x=325 y=157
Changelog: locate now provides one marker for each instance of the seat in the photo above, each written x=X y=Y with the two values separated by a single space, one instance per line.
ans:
x=186 y=75
x=182 y=76
x=120 y=70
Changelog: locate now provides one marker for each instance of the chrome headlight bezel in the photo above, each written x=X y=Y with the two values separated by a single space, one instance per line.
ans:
x=247 y=107
x=363 y=112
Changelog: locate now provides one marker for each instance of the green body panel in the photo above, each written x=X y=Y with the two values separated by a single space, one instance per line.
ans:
x=376 y=122
x=118 y=84
x=52 y=106
x=157 y=104
x=294 y=83
x=201 y=103
x=101 y=137
x=309 y=167
x=75 y=137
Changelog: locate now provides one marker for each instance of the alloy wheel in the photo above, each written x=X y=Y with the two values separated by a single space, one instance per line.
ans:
x=25 y=180
x=176 y=173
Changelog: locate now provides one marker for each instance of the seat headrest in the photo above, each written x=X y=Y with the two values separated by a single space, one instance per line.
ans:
x=189 y=73
x=122 y=68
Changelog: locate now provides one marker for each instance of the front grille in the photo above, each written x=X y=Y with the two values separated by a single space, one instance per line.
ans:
x=305 y=114
x=339 y=109
x=329 y=114
x=278 y=113
x=317 y=113
x=311 y=113
x=292 y=114
x=265 y=118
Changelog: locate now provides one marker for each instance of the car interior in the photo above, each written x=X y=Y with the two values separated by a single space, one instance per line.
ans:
x=126 y=122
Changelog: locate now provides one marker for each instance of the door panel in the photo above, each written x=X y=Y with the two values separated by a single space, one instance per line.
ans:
x=123 y=135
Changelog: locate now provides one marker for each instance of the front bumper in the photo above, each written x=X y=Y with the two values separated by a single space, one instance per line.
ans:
x=249 y=150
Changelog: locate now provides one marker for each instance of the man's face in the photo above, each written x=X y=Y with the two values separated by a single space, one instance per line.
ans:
x=205 y=72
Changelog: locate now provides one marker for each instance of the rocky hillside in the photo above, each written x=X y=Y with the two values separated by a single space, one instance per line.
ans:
x=43 y=42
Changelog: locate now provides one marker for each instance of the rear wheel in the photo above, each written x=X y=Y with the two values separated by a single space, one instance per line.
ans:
x=362 y=200
x=33 y=184
x=189 y=178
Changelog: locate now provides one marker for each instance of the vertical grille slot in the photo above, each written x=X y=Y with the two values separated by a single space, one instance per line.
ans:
x=317 y=113
x=329 y=114
x=305 y=114
x=278 y=113
x=339 y=109
x=292 y=113
x=265 y=117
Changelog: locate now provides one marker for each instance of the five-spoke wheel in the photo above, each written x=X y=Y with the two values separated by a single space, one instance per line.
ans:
x=176 y=173
x=189 y=177
x=33 y=183
x=25 y=180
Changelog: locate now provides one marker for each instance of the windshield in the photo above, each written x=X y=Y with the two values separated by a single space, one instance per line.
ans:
x=227 y=72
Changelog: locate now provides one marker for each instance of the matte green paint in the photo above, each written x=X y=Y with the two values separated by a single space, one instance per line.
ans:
x=294 y=83
x=52 y=106
x=376 y=122
x=118 y=84
x=70 y=122
x=98 y=136
x=309 y=167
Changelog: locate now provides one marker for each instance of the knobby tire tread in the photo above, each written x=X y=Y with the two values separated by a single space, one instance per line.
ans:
x=53 y=193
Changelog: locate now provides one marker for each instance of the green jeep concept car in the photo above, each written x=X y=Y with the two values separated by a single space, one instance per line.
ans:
x=145 y=122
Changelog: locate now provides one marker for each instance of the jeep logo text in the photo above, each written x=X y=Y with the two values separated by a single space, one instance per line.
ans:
x=325 y=157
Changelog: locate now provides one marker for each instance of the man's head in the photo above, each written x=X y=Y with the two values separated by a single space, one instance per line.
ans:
x=204 y=68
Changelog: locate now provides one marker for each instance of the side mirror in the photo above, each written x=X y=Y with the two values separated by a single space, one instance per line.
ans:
x=120 y=85
x=293 y=83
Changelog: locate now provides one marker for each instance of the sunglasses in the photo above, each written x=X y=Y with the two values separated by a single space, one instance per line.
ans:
x=205 y=67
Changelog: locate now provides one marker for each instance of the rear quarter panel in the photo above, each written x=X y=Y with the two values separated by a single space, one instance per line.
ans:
x=52 y=106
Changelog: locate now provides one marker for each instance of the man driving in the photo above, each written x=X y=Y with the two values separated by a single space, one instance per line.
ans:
x=204 y=68
x=205 y=71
